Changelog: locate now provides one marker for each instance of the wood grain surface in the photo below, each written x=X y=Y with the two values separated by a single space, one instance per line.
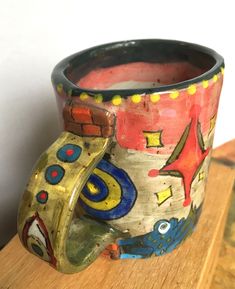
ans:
x=189 y=266
x=226 y=152
x=224 y=275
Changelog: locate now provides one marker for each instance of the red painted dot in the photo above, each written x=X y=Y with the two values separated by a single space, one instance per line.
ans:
x=54 y=174
x=153 y=173
x=43 y=195
x=69 y=152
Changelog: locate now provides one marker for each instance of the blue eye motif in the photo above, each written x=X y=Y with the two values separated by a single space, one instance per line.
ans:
x=164 y=227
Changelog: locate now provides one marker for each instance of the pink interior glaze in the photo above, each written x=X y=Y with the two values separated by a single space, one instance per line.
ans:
x=139 y=75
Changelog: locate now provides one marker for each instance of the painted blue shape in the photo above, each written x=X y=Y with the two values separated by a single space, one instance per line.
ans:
x=130 y=256
x=100 y=185
x=69 y=153
x=129 y=241
x=54 y=174
x=165 y=237
x=42 y=197
x=127 y=190
x=141 y=251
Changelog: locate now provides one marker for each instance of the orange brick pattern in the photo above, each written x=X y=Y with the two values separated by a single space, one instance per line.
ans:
x=86 y=120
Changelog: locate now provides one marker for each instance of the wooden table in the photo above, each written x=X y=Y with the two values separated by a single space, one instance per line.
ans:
x=190 y=266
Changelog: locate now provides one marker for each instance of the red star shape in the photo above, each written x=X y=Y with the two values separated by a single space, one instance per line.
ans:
x=188 y=155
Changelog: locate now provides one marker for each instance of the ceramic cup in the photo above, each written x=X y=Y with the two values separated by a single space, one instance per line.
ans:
x=127 y=175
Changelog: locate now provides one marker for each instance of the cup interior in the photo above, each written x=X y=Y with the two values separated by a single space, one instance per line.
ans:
x=139 y=65
x=139 y=75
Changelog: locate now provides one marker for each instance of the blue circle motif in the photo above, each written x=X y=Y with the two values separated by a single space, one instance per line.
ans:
x=69 y=153
x=42 y=197
x=54 y=174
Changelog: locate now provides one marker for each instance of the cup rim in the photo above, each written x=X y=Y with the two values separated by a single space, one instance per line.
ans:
x=59 y=77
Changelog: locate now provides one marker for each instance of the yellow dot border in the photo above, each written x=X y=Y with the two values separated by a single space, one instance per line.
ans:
x=83 y=96
x=98 y=98
x=59 y=87
x=153 y=97
x=116 y=100
x=205 y=83
x=192 y=89
x=215 y=78
x=174 y=94
x=136 y=98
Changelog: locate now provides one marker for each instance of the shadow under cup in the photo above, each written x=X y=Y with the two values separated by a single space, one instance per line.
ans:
x=128 y=173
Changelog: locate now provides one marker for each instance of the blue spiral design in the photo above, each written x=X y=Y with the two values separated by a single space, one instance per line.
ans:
x=114 y=177
x=100 y=185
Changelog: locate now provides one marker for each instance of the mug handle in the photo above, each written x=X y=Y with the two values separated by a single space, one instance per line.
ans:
x=46 y=225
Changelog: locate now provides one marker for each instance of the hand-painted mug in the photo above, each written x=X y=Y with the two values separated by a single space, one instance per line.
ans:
x=128 y=172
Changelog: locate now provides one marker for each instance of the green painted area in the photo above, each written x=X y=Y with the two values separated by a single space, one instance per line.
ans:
x=88 y=238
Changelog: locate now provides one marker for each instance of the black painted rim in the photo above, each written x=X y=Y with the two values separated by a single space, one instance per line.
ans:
x=59 y=73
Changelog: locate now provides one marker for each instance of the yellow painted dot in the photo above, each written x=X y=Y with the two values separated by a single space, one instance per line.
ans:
x=215 y=78
x=59 y=87
x=70 y=91
x=192 y=89
x=222 y=70
x=98 y=98
x=136 y=98
x=205 y=83
x=174 y=94
x=117 y=100
x=83 y=96
x=155 y=97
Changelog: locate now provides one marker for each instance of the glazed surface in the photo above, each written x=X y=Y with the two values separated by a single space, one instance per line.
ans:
x=128 y=173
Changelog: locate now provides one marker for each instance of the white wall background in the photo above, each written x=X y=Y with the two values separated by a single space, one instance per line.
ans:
x=35 y=35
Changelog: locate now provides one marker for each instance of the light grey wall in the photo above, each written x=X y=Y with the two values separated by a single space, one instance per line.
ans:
x=28 y=125
x=35 y=35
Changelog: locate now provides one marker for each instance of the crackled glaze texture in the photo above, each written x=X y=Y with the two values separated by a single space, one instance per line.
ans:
x=128 y=173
